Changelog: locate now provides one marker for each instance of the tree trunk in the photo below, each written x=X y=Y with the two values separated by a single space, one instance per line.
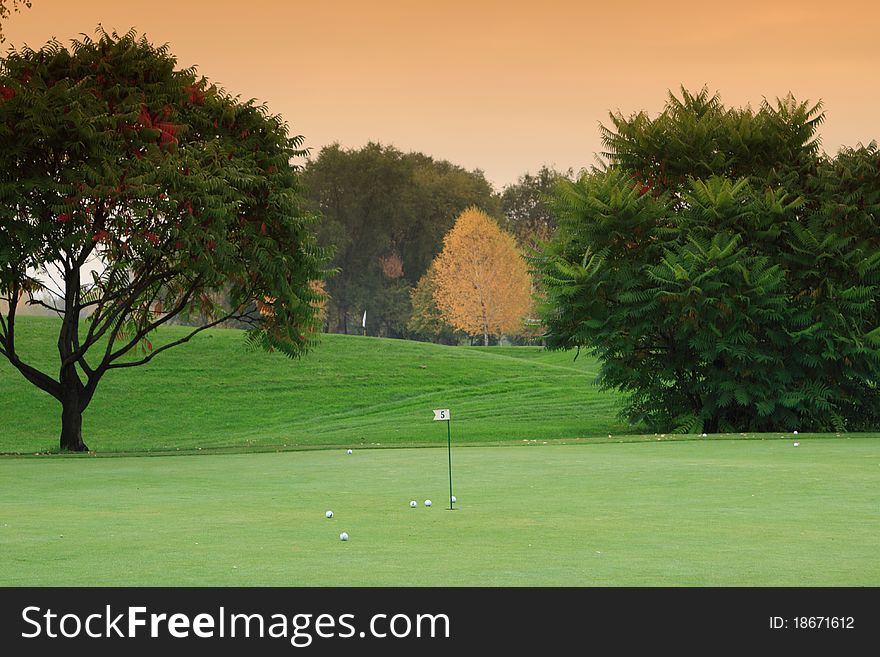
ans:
x=710 y=425
x=485 y=321
x=71 y=425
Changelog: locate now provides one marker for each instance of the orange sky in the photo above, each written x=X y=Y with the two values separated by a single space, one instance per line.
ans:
x=504 y=86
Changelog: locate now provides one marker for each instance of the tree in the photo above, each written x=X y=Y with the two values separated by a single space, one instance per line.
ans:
x=5 y=11
x=724 y=272
x=481 y=282
x=529 y=216
x=382 y=207
x=137 y=192
x=697 y=136
x=526 y=207
x=426 y=321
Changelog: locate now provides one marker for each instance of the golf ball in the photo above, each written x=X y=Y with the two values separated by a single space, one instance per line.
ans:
x=704 y=435
x=413 y=504
x=795 y=433
x=348 y=452
x=329 y=514
x=343 y=536
x=796 y=444
x=427 y=502
x=453 y=499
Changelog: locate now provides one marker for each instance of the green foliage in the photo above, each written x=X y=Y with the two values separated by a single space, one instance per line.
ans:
x=426 y=321
x=167 y=187
x=527 y=212
x=380 y=205
x=745 y=303
x=696 y=136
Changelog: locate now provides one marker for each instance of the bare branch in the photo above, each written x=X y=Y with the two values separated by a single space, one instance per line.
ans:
x=32 y=301
x=59 y=289
x=110 y=355
x=101 y=323
x=186 y=338
x=41 y=380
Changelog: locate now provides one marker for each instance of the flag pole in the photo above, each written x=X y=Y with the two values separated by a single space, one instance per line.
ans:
x=444 y=415
x=449 y=451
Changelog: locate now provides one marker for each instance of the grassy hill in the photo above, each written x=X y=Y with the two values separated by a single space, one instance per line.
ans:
x=351 y=391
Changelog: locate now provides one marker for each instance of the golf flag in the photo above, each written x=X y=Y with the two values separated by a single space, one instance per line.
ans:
x=442 y=414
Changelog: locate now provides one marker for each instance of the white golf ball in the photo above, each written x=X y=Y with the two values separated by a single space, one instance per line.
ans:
x=413 y=504
x=343 y=536
x=348 y=452
x=427 y=502
x=795 y=433
x=704 y=435
x=796 y=444
x=329 y=514
x=453 y=499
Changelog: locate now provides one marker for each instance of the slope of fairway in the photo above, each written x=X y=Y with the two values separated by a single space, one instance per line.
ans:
x=688 y=513
x=214 y=392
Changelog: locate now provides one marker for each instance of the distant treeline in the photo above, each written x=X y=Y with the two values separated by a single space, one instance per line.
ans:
x=386 y=213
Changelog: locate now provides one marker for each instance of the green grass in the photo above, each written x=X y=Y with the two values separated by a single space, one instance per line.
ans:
x=687 y=513
x=214 y=392
x=620 y=510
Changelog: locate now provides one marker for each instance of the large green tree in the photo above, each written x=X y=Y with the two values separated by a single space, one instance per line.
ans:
x=386 y=212
x=135 y=192
x=723 y=270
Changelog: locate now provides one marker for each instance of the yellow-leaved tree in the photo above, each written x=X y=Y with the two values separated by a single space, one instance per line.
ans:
x=481 y=282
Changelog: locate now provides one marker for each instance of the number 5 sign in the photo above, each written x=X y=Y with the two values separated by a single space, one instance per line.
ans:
x=443 y=415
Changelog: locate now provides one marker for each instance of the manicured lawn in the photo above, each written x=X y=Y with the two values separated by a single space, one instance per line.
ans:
x=214 y=392
x=684 y=513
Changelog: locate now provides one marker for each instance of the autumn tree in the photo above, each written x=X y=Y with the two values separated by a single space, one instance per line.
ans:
x=482 y=285
x=137 y=192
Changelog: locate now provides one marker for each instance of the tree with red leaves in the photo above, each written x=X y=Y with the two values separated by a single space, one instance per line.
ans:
x=137 y=192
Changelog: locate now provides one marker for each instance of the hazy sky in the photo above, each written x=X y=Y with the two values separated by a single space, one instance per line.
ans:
x=501 y=86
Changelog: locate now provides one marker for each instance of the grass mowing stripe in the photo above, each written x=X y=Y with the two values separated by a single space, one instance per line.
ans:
x=213 y=392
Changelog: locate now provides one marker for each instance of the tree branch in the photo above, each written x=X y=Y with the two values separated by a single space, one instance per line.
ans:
x=186 y=338
x=37 y=302
x=3 y=321
x=41 y=380
x=101 y=324
x=110 y=355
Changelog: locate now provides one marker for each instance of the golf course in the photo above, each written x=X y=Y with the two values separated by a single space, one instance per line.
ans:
x=216 y=464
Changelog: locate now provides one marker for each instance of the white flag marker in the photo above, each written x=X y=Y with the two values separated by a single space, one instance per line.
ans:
x=442 y=414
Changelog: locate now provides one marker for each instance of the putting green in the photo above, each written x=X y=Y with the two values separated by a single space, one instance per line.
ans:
x=689 y=513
